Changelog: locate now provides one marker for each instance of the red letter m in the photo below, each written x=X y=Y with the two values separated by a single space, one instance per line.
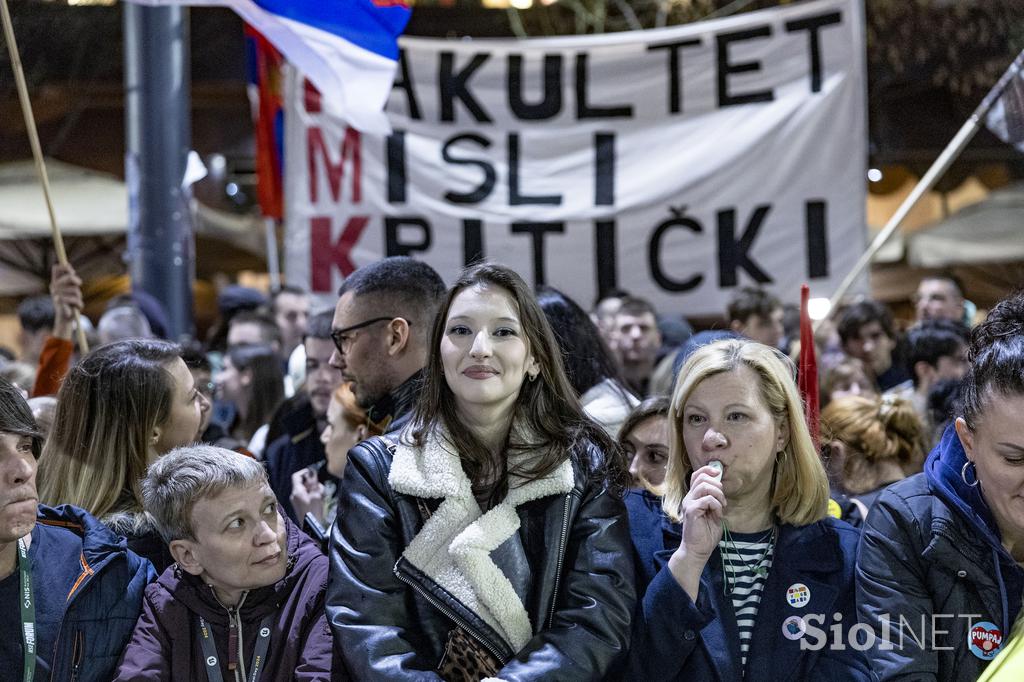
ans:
x=350 y=146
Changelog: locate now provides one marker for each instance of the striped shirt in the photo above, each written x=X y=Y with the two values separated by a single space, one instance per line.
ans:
x=746 y=560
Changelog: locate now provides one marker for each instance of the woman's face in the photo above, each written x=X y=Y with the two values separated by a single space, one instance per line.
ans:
x=646 y=448
x=185 y=417
x=726 y=418
x=231 y=383
x=857 y=384
x=996 y=446
x=338 y=438
x=484 y=350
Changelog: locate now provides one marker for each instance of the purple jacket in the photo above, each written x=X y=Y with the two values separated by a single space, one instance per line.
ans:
x=166 y=646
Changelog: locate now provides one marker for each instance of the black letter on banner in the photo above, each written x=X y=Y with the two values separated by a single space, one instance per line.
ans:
x=678 y=219
x=583 y=109
x=396 y=167
x=551 y=104
x=454 y=85
x=726 y=99
x=393 y=247
x=675 y=84
x=537 y=230
x=811 y=25
x=607 y=272
x=485 y=188
x=514 y=197
x=472 y=241
x=406 y=84
x=732 y=254
x=604 y=169
x=817 y=240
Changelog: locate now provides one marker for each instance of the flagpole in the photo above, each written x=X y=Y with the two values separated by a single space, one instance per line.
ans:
x=940 y=166
x=37 y=154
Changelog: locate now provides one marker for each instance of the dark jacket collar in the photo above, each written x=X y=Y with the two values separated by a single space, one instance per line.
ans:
x=396 y=404
x=99 y=543
x=300 y=419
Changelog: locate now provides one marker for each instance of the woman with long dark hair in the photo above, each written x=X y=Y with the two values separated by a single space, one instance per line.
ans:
x=589 y=364
x=485 y=540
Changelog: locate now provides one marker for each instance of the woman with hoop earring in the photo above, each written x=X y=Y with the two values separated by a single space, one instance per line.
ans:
x=943 y=551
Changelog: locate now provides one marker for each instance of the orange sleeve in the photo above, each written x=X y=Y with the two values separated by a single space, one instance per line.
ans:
x=54 y=361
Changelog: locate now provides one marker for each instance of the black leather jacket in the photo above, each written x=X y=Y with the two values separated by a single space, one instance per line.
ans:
x=391 y=621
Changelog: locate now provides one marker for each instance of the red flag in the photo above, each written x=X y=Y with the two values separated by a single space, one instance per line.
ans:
x=807 y=368
x=265 y=76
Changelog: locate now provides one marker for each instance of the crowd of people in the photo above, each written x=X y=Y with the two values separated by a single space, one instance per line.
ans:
x=488 y=482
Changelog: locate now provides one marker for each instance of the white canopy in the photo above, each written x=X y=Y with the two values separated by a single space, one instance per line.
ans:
x=92 y=213
x=990 y=231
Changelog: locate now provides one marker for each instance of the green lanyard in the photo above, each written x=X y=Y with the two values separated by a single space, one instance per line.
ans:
x=28 y=611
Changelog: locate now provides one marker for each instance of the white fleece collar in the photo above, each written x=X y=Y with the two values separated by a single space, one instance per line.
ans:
x=453 y=547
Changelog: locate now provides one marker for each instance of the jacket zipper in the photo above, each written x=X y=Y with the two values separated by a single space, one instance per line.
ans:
x=561 y=558
x=437 y=604
x=76 y=655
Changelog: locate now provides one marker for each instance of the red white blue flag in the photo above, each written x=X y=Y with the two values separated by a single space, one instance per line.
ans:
x=348 y=49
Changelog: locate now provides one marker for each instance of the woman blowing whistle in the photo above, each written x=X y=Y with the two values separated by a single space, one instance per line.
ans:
x=755 y=569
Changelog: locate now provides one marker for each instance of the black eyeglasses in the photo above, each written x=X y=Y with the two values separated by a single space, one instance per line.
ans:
x=343 y=337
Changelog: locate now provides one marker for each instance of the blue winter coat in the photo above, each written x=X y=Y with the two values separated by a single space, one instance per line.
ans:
x=103 y=602
x=931 y=557
x=677 y=639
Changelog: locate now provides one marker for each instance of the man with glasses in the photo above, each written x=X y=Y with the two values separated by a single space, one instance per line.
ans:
x=381 y=333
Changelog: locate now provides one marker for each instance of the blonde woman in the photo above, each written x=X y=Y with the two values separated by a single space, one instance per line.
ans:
x=756 y=581
x=120 y=408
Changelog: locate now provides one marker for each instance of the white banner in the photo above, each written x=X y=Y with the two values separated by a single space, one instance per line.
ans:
x=677 y=164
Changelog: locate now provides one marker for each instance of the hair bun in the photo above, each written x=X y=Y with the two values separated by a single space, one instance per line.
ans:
x=1006 y=319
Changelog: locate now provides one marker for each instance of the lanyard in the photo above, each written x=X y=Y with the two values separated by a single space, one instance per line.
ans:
x=28 y=612
x=259 y=654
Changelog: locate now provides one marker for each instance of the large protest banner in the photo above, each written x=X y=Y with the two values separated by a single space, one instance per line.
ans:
x=677 y=164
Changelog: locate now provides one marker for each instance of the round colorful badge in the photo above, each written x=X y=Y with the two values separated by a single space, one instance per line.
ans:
x=794 y=627
x=834 y=510
x=798 y=595
x=984 y=640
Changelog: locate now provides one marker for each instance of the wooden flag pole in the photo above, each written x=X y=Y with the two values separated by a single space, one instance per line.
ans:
x=37 y=153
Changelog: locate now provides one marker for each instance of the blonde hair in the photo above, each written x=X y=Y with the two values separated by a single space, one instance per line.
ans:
x=107 y=407
x=874 y=430
x=800 y=491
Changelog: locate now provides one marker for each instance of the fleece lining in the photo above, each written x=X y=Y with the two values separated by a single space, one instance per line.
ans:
x=454 y=546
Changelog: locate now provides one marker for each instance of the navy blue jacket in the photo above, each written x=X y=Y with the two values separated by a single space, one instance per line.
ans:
x=299 y=448
x=931 y=552
x=103 y=601
x=677 y=639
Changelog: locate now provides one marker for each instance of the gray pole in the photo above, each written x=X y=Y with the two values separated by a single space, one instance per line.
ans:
x=159 y=132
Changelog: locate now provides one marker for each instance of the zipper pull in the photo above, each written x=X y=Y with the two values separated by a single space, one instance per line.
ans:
x=232 y=642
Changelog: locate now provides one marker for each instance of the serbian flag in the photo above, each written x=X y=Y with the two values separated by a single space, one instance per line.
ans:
x=348 y=49
x=266 y=95
x=807 y=368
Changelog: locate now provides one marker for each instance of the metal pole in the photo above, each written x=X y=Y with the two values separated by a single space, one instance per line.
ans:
x=158 y=129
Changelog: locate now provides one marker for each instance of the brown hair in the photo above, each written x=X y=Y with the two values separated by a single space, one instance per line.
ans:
x=351 y=412
x=107 y=407
x=547 y=409
x=874 y=430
